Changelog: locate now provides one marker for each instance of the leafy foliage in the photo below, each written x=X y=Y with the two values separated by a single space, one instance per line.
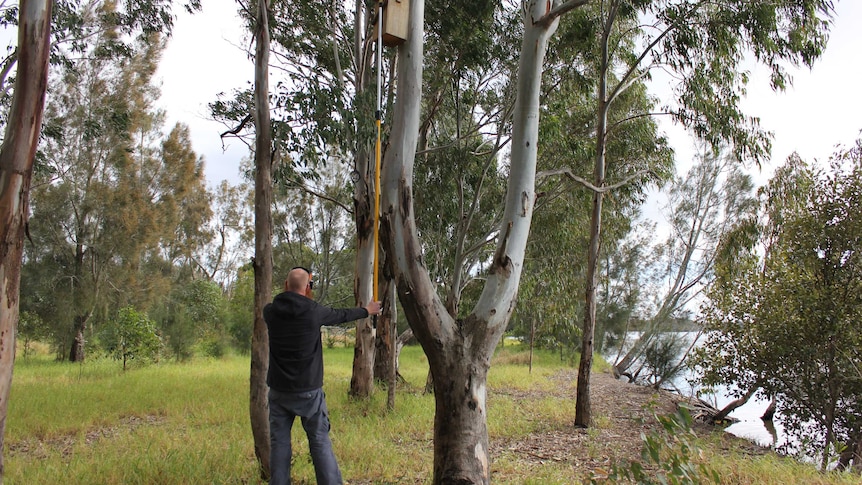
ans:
x=193 y=312
x=119 y=212
x=783 y=312
x=669 y=457
x=131 y=336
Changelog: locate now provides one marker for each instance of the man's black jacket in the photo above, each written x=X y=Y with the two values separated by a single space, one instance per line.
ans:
x=295 y=346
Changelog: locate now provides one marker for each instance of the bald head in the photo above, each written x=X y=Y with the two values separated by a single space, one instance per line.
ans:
x=297 y=281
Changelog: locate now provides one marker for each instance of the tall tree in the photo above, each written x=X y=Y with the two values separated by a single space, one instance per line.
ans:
x=232 y=225
x=262 y=262
x=637 y=155
x=17 y=154
x=116 y=207
x=459 y=350
x=703 y=207
x=184 y=203
x=322 y=113
x=702 y=44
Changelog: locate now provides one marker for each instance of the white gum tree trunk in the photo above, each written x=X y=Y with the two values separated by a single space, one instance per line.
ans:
x=362 y=378
x=16 y=170
x=459 y=352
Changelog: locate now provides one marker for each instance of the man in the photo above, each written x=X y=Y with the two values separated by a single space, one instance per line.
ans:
x=295 y=376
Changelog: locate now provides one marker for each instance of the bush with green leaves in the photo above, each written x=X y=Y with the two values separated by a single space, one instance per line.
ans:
x=670 y=456
x=131 y=336
x=32 y=328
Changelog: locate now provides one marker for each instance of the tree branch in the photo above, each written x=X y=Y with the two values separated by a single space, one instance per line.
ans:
x=10 y=61
x=309 y=190
x=560 y=10
x=567 y=172
x=736 y=403
x=238 y=128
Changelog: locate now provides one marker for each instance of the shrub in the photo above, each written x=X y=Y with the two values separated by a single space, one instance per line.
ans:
x=132 y=335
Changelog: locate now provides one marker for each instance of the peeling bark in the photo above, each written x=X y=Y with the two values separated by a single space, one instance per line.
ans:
x=362 y=378
x=16 y=169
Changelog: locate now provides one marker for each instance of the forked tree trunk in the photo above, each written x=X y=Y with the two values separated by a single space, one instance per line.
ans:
x=262 y=264
x=459 y=352
x=16 y=170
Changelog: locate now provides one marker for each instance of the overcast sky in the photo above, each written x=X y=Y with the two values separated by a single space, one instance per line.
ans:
x=819 y=111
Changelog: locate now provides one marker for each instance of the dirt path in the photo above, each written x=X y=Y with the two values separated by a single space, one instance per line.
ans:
x=625 y=412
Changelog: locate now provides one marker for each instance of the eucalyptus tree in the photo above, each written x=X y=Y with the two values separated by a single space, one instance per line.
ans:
x=17 y=154
x=262 y=261
x=703 y=207
x=782 y=316
x=312 y=228
x=118 y=210
x=232 y=226
x=469 y=70
x=459 y=349
x=640 y=156
x=701 y=45
x=323 y=111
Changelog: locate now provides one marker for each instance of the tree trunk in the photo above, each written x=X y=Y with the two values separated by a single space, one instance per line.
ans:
x=583 y=411
x=770 y=411
x=733 y=405
x=385 y=341
x=24 y=123
x=362 y=379
x=857 y=455
x=459 y=352
x=76 y=353
x=392 y=357
x=460 y=419
x=262 y=263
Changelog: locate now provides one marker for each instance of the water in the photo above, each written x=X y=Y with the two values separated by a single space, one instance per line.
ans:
x=749 y=425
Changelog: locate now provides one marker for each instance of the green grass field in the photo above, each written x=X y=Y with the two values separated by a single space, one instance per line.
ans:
x=183 y=423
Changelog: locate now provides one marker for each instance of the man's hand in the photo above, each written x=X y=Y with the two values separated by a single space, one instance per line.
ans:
x=374 y=308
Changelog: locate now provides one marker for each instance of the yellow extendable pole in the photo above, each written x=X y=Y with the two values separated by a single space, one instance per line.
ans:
x=378 y=117
x=377 y=209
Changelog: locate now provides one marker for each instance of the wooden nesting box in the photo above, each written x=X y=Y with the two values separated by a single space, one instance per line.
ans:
x=395 y=21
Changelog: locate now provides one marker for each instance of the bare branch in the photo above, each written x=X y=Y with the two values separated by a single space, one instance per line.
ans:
x=567 y=172
x=8 y=63
x=309 y=190
x=238 y=128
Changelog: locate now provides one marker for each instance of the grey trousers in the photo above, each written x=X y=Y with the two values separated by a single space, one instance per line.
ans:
x=310 y=406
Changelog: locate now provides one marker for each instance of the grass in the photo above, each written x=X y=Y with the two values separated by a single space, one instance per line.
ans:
x=177 y=423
